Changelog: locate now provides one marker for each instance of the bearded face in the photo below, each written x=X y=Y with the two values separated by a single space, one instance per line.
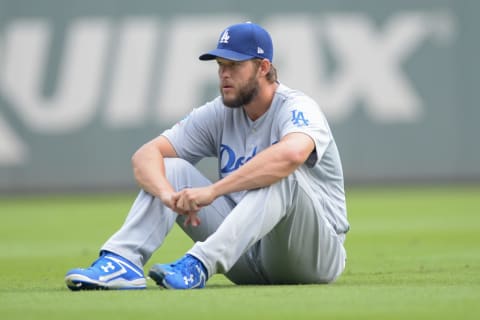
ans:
x=235 y=92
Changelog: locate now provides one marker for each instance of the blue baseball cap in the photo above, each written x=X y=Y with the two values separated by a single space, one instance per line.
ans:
x=240 y=42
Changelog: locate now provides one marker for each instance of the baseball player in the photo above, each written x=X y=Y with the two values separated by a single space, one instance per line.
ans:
x=277 y=214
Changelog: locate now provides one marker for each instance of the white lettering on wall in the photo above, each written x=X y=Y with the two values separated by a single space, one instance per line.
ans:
x=13 y=150
x=79 y=82
x=132 y=73
x=368 y=73
x=369 y=63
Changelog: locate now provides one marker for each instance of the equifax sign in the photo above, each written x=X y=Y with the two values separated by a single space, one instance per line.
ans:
x=136 y=69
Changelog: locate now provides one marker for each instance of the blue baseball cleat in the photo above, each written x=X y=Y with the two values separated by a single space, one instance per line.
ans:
x=109 y=271
x=186 y=273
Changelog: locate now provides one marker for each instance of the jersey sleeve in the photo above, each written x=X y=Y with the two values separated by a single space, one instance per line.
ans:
x=196 y=136
x=303 y=115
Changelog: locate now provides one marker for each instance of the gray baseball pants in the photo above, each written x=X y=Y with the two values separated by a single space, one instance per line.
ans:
x=274 y=235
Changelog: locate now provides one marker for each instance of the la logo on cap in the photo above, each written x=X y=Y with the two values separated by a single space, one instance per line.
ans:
x=225 y=37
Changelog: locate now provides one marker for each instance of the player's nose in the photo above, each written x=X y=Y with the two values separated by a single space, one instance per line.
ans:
x=224 y=72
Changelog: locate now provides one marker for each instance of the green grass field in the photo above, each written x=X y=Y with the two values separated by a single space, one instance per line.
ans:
x=413 y=253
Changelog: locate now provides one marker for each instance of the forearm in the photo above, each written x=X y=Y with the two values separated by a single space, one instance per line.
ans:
x=267 y=167
x=149 y=171
x=256 y=173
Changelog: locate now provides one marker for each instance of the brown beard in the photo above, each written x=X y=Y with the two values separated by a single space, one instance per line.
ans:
x=245 y=95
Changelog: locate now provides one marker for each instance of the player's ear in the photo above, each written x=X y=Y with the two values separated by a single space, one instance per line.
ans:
x=264 y=67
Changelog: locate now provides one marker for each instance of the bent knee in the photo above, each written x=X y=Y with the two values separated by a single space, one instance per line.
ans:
x=176 y=166
x=177 y=163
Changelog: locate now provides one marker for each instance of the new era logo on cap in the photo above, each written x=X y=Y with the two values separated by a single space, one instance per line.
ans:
x=243 y=41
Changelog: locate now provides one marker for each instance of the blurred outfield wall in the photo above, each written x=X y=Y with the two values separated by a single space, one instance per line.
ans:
x=84 y=83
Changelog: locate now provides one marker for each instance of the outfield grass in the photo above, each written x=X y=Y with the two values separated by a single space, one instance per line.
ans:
x=412 y=253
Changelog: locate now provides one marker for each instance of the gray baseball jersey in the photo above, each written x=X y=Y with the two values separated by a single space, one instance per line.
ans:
x=214 y=130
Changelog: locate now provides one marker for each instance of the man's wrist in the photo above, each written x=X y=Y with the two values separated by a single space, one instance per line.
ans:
x=215 y=191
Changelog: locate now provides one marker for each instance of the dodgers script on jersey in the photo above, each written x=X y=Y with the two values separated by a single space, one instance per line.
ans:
x=214 y=130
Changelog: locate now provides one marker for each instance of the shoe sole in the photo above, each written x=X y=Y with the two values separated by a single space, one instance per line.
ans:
x=76 y=282
x=157 y=276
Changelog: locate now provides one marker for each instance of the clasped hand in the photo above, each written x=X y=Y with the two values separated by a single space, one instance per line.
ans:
x=189 y=202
